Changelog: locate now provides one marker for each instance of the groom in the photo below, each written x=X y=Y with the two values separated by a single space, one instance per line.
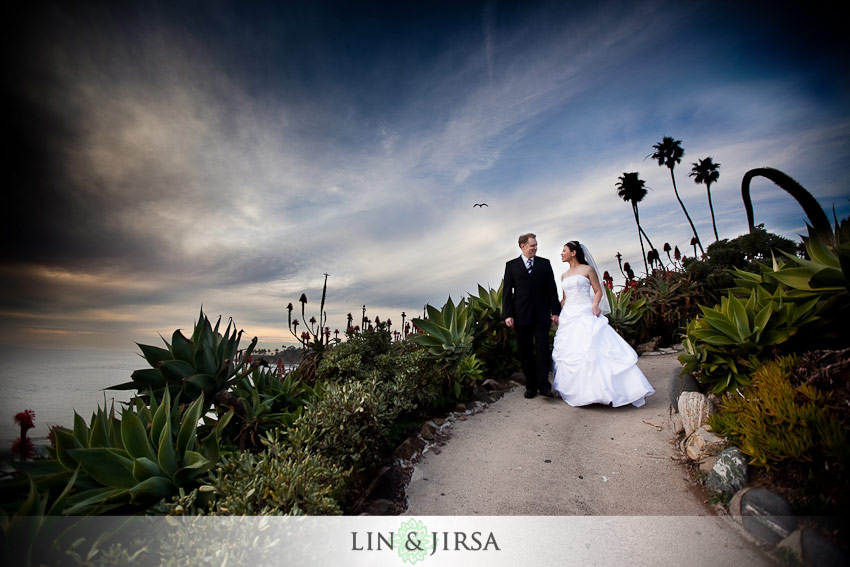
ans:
x=530 y=304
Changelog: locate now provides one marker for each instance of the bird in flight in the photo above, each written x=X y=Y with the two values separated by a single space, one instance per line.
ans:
x=480 y=205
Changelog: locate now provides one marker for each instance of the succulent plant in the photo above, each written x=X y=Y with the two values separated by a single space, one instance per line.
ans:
x=203 y=365
x=145 y=456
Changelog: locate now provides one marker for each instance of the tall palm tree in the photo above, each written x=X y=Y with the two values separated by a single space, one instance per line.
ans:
x=669 y=152
x=706 y=171
x=632 y=189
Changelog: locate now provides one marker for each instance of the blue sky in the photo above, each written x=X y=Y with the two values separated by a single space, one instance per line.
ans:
x=229 y=155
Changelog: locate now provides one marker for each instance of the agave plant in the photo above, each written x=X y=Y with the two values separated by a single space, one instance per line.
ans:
x=188 y=368
x=493 y=343
x=147 y=455
x=263 y=401
x=824 y=276
x=447 y=334
x=720 y=346
x=626 y=312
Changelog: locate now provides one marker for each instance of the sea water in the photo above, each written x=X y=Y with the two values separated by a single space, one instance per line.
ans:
x=56 y=382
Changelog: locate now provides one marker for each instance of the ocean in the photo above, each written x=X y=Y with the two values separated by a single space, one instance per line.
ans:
x=55 y=382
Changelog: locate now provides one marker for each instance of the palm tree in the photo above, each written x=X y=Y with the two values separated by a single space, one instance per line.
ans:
x=669 y=152
x=706 y=171
x=632 y=189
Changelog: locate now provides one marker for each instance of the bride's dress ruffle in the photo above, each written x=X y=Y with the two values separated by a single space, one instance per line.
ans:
x=592 y=363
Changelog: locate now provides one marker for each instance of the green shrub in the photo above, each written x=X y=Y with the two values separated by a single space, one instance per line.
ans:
x=347 y=422
x=284 y=479
x=774 y=421
x=747 y=252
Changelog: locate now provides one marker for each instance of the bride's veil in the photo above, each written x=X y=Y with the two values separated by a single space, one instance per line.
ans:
x=604 y=305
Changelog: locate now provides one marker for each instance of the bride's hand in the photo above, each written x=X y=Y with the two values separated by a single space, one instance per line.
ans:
x=596 y=310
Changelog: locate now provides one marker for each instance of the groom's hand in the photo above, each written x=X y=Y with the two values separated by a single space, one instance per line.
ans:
x=555 y=319
x=509 y=321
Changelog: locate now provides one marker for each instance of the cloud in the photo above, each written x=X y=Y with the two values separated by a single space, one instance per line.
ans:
x=162 y=165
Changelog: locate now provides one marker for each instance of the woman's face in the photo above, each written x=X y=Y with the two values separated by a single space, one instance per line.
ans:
x=566 y=254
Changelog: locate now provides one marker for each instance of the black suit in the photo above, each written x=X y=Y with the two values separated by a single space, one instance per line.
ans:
x=531 y=299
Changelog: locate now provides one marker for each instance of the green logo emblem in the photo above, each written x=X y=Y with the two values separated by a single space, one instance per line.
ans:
x=411 y=540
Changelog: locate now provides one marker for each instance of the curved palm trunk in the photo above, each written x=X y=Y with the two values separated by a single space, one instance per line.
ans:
x=810 y=206
x=687 y=216
x=711 y=208
x=640 y=230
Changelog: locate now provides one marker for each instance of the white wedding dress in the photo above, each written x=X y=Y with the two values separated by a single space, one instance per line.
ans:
x=592 y=363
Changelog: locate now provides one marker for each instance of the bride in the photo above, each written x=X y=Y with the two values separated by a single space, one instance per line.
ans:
x=592 y=363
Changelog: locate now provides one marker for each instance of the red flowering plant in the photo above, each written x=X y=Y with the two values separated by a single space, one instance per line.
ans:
x=23 y=445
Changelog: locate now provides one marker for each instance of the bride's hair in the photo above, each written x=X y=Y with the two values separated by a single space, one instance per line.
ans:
x=576 y=247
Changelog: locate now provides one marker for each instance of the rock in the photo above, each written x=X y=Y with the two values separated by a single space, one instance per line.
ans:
x=438 y=421
x=410 y=448
x=492 y=385
x=496 y=395
x=767 y=516
x=818 y=551
x=428 y=431
x=676 y=418
x=713 y=403
x=649 y=346
x=707 y=464
x=480 y=394
x=735 y=504
x=681 y=383
x=729 y=473
x=702 y=444
x=678 y=347
x=381 y=507
x=460 y=408
x=793 y=546
x=694 y=409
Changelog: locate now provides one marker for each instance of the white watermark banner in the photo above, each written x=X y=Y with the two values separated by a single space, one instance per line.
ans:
x=397 y=541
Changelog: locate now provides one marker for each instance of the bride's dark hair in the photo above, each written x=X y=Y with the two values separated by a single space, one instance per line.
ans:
x=576 y=247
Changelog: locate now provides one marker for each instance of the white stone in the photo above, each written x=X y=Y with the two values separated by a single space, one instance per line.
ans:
x=694 y=409
x=702 y=444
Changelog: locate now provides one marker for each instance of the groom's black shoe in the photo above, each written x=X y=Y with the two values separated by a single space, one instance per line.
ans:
x=547 y=393
x=529 y=394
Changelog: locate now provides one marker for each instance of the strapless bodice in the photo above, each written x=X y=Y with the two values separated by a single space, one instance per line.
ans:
x=577 y=290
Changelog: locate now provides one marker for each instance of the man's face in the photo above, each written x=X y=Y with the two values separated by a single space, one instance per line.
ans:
x=529 y=249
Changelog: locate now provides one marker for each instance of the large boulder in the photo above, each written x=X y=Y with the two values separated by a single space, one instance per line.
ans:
x=767 y=516
x=680 y=383
x=729 y=473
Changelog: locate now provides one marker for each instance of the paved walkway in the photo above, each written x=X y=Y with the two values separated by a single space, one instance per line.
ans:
x=541 y=457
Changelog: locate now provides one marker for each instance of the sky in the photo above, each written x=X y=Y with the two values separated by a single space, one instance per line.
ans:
x=165 y=157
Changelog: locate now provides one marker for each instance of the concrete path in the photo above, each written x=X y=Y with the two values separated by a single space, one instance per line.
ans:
x=541 y=457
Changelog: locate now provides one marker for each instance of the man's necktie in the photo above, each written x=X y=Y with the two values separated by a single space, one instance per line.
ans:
x=528 y=264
